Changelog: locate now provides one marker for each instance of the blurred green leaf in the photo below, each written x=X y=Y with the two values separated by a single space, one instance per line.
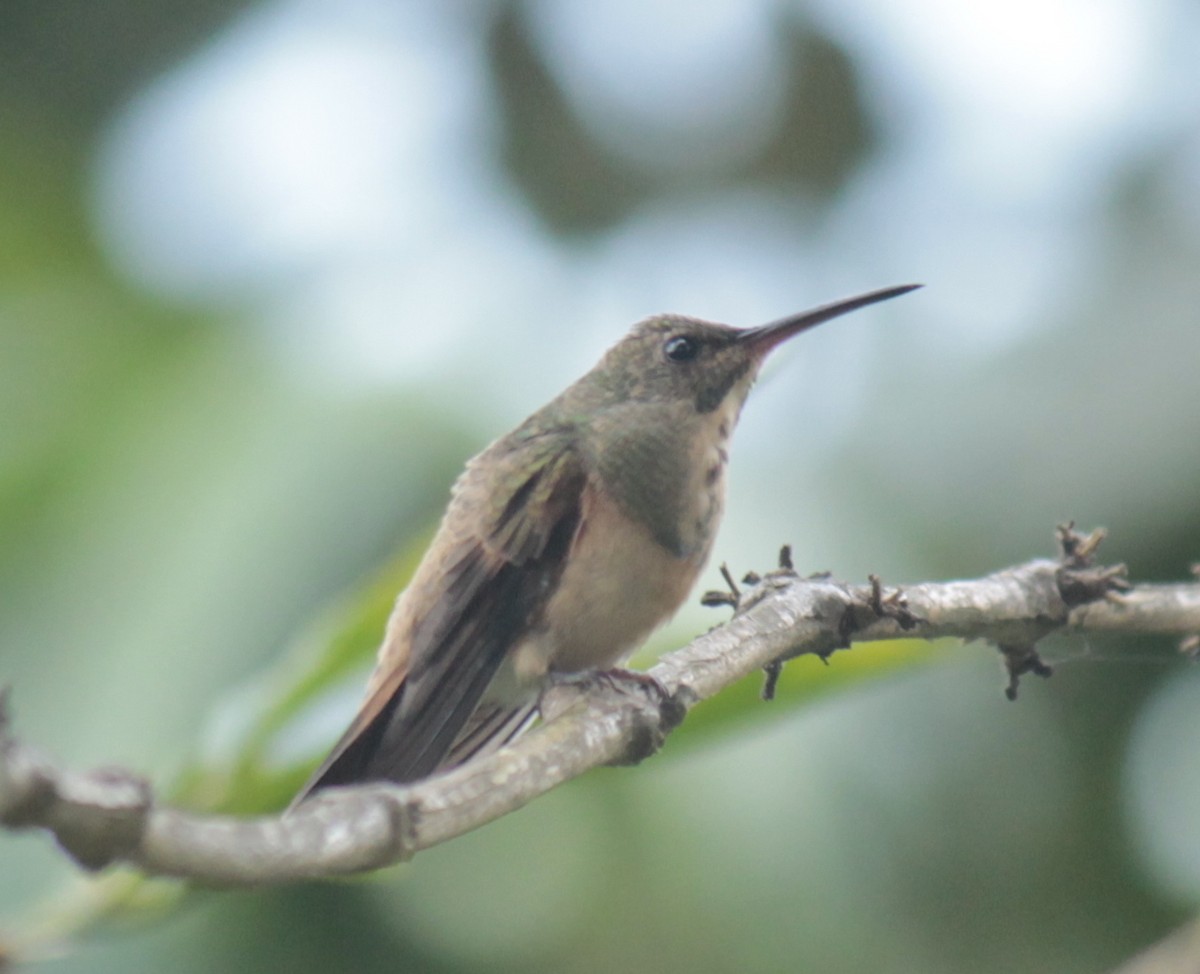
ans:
x=342 y=639
x=803 y=681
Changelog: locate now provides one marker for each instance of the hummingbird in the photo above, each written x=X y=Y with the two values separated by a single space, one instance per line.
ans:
x=566 y=542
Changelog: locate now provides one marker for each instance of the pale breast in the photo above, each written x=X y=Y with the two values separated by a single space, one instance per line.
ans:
x=619 y=584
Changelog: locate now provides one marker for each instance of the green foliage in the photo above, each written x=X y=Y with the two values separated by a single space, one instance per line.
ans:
x=341 y=641
x=804 y=681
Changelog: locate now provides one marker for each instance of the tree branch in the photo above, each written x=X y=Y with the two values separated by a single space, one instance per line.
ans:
x=111 y=816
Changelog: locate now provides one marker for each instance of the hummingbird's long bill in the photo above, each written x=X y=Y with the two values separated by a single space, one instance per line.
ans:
x=766 y=337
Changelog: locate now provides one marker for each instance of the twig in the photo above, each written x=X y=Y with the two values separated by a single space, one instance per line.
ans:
x=111 y=816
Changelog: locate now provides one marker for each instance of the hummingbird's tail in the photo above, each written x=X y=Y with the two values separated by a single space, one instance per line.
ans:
x=489 y=728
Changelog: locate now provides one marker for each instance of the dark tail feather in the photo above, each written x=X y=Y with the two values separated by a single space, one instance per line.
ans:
x=489 y=729
x=349 y=762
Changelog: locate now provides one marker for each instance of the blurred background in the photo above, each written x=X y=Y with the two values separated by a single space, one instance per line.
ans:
x=270 y=271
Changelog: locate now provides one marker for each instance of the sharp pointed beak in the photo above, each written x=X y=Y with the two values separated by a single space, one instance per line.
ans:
x=764 y=338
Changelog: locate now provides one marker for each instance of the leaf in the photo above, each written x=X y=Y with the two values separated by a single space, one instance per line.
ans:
x=803 y=681
x=246 y=777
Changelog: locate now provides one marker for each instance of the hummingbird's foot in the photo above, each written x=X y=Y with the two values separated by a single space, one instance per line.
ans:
x=639 y=681
x=649 y=736
x=617 y=678
x=622 y=679
x=668 y=709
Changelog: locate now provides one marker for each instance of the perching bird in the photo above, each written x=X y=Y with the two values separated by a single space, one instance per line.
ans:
x=566 y=542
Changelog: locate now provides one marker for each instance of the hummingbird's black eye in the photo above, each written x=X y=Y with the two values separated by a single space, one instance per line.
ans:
x=680 y=348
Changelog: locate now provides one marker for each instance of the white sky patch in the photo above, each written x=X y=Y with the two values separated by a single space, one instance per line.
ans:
x=292 y=140
x=393 y=317
x=1025 y=96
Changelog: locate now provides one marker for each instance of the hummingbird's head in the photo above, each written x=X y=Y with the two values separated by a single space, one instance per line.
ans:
x=674 y=358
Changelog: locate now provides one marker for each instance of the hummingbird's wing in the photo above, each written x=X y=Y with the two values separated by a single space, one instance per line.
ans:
x=500 y=550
